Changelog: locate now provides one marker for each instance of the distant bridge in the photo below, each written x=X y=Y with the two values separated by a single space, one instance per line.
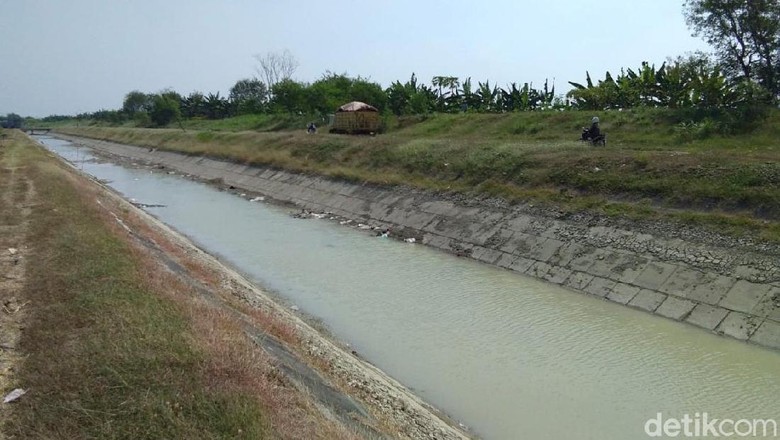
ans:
x=36 y=130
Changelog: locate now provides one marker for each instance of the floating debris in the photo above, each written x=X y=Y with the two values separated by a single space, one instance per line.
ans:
x=308 y=214
x=410 y=240
x=147 y=205
x=294 y=308
x=13 y=251
x=345 y=222
x=257 y=199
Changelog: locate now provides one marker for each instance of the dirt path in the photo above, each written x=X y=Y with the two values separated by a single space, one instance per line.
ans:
x=16 y=195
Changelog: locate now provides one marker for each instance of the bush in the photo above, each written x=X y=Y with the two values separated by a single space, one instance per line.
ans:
x=739 y=119
x=142 y=119
x=12 y=120
x=164 y=110
x=690 y=131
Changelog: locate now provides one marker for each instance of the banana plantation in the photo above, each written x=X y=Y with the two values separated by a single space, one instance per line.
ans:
x=680 y=84
x=447 y=94
x=693 y=83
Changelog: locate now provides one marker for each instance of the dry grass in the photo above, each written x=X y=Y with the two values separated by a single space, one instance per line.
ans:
x=117 y=346
x=208 y=277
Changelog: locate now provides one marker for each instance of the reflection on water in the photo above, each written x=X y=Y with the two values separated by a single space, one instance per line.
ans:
x=510 y=356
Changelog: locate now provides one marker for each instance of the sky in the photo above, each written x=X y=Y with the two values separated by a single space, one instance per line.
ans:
x=74 y=56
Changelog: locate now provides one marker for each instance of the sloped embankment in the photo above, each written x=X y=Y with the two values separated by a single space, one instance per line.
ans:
x=129 y=330
x=727 y=285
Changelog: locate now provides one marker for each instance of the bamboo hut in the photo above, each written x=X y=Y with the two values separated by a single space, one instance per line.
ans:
x=356 y=118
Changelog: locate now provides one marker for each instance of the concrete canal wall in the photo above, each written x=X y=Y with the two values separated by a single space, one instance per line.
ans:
x=723 y=284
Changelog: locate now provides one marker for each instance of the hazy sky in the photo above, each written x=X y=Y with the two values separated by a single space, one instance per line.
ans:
x=72 y=56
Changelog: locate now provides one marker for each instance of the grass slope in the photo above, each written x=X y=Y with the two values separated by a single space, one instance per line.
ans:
x=115 y=346
x=655 y=163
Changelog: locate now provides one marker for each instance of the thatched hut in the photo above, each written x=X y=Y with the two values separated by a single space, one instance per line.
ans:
x=356 y=117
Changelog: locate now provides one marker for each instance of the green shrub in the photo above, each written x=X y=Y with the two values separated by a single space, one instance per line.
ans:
x=142 y=119
x=691 y=131
x=164 y=110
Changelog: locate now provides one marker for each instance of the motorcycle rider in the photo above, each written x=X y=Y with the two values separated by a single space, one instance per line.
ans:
x=594 y=132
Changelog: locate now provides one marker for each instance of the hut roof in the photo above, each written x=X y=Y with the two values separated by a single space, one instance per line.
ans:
x=357 y=106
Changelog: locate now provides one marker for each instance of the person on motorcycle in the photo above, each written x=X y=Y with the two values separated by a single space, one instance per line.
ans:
x=594 y=134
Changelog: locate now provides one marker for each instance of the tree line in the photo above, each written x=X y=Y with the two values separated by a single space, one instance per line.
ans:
x=744 y=71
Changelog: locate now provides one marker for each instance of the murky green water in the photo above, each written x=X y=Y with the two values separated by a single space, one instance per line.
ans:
x=509 y=356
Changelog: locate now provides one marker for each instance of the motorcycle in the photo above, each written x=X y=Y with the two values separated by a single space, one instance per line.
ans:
x=600 y=139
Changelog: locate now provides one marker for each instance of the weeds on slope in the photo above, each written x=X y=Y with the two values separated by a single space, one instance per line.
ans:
x=117 y=348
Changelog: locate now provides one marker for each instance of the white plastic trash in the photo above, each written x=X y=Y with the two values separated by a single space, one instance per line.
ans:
x=13 y=395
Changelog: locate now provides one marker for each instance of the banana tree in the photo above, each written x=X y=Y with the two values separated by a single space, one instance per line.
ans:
x=674 y=85
x=193 y=105
x=470 y=99
x=710 y=89
x=514 y=98
x=215 y=106
x=447 y=97
x=548 y=95
x=586 y=96
x=487 y=96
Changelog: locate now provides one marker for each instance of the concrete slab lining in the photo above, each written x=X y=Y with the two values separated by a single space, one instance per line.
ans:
x=647 y=300
x=768 y=334
x=745 y=296
x=675 y=308
x=707 y=316
x=738 y=325
x=704 y=285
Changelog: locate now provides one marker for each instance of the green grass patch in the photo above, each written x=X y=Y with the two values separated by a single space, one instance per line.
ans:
x=259 y=122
